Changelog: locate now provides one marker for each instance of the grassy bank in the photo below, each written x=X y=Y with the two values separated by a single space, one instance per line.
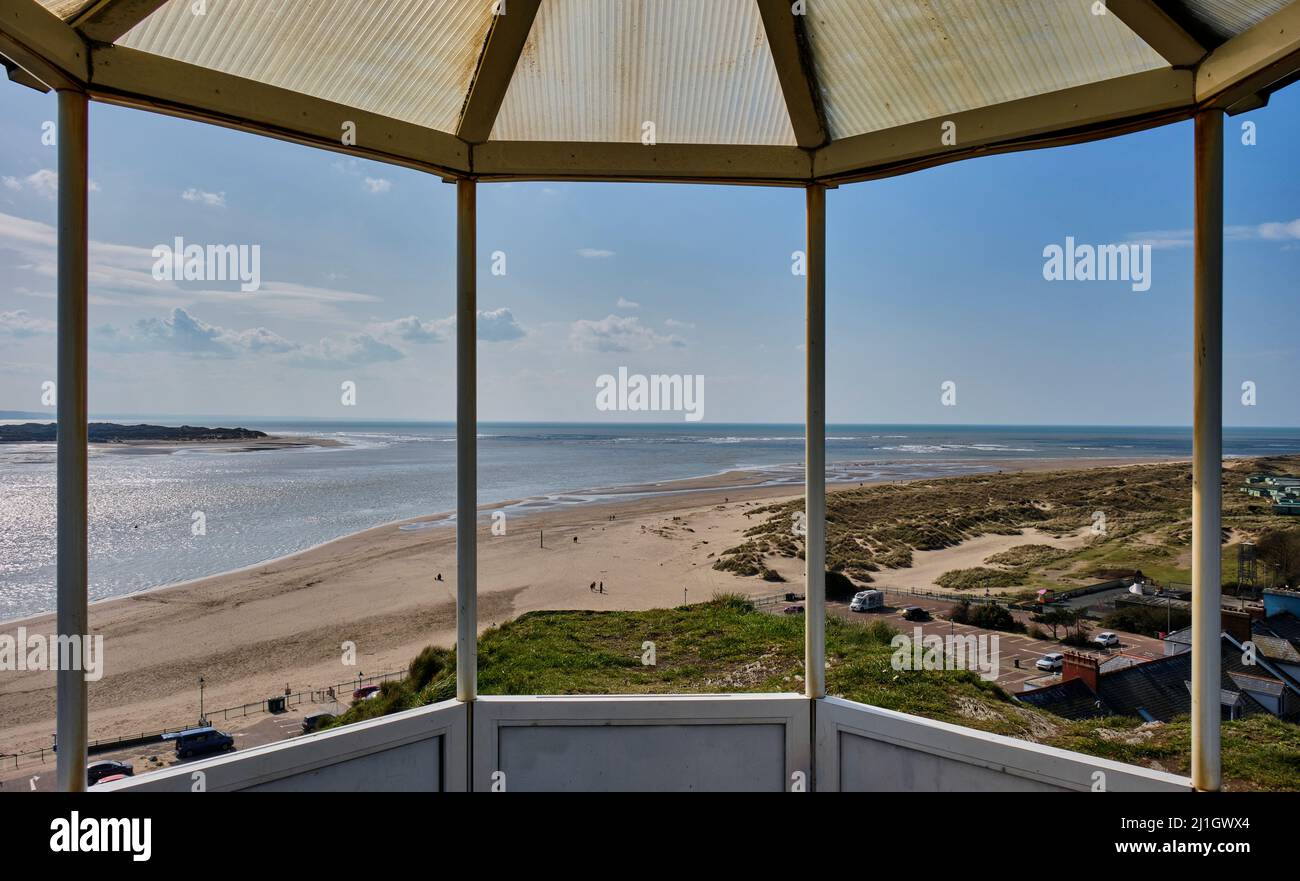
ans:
x=726 y=646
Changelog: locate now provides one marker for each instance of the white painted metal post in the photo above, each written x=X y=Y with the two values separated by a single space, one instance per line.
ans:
x=73 y=615
x=1207 y=452
x=466 y=443
x=815 y=451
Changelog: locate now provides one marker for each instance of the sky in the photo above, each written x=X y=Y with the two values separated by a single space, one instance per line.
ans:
x=932 y=278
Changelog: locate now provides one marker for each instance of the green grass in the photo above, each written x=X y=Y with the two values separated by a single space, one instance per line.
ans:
x=726 y=646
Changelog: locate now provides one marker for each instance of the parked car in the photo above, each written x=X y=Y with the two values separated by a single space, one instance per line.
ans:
x=1106 y=639
x=792 y=610
x=867 y=601
x=101 y=771
x=1050 y=662
x=313 y=721
x=915 y=613
x=200 y=741
x=364 y=692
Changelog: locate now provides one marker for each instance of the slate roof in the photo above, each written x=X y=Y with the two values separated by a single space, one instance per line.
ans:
x=1157 y=690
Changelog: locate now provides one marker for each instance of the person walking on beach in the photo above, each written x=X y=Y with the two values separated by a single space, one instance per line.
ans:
x=601 y=589
x=593 y=587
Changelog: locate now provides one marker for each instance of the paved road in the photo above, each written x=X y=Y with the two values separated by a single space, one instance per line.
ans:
x=249 y=731
x=1011 y=646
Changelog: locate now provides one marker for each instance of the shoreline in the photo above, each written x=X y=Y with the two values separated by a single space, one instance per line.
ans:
x=680 y=489
x=280 y=624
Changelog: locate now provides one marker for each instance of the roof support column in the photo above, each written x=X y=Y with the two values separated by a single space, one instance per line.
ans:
x=815 y=450
x=1207 y=452
x=466 y=442
x=73 y=615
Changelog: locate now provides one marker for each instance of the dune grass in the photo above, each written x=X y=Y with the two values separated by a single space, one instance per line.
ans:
x=1144 y=524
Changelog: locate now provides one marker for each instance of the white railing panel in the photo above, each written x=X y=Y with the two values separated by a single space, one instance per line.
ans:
x=420 y=750
x=867 y=749
x=673 y=743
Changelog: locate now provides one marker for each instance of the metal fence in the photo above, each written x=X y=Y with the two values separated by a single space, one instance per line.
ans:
x=329 y=693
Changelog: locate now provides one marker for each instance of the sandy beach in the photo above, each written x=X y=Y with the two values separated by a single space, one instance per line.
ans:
x=282 y=624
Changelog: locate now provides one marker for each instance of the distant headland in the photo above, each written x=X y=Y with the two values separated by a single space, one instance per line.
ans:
x=113 y=433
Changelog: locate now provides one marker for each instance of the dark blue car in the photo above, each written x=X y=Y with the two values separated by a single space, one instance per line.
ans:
x=200 y=741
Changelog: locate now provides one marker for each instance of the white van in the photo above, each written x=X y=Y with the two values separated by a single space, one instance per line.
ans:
x=867 y=601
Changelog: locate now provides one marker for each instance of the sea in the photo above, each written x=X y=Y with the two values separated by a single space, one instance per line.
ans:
x=261 y=505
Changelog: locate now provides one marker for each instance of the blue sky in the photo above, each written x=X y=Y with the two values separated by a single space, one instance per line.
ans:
x=932 y=277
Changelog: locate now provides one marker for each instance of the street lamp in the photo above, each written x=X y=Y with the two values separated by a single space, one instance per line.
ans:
x=202 y=719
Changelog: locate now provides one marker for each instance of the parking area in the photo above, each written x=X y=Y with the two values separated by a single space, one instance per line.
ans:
x=1017 y=652
x=248 y=732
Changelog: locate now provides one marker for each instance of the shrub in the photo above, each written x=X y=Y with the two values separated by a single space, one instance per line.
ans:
x=1147 y=620
x=960 y=613
x=991 y=616
x=839 y=587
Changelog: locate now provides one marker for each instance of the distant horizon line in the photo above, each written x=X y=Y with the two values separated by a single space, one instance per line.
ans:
x=171 y=417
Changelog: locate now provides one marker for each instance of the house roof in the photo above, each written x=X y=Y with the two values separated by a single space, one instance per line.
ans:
x=1072 y=699
x=1278 y=637
x=749 y=91
x=1155 y=690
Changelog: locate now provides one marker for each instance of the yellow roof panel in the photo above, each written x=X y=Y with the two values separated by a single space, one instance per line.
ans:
x=408 y=59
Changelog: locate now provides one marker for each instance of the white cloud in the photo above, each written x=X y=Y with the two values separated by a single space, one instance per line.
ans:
x=498 y=326
x=356 y=349
x=21 y=324
x=203 y=197
x=123 y=275
x=378 y=184
x=1280 y=231
x=594 y=253
x=624 y=303
x=44 y=182
x=182 y=333
x=673 y=322
x=1274 y=231
x=615 y=333
x=494 y=326
x=412 y=329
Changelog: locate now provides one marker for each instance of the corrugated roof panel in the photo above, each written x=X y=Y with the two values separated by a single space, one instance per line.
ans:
x=881 y=63
x=597 y=70
x=65 y=9
x=1228 y=18
x=408 y=59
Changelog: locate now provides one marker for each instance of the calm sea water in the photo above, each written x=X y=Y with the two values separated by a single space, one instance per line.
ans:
x=262 y=505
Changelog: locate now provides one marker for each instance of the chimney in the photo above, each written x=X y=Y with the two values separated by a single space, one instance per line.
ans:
x=1080 y=666
x=1237 y=624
